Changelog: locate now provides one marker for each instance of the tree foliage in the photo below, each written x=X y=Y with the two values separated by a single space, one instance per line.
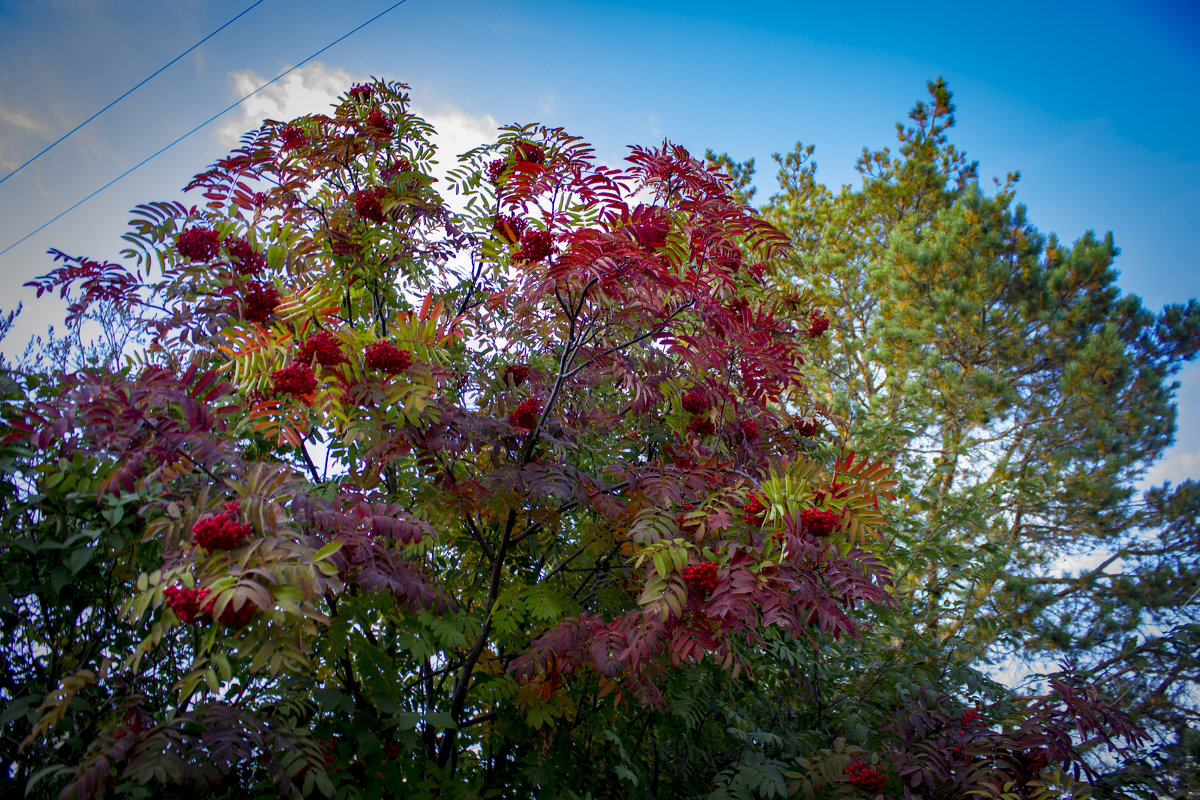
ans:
x=544 y=497
x=1021 y=395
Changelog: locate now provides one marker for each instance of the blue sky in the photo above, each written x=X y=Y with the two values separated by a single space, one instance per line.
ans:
x=1097 y=104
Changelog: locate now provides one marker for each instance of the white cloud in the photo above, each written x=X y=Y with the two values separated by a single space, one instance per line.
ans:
x=457 y=132
x=15 y=128
x=309 y=90
x=313 y=89
x=21 y=120
x=1176 y=466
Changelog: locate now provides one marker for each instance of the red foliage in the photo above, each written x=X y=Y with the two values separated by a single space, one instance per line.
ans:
x=230 y=616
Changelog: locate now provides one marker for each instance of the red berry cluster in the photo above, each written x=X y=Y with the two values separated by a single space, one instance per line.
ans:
x=820 y=521
x=222 y=531
x=495 y=170
x=702 y=426
x=198 y=244
x=244 y=258
x=386 y=357
x=380 y=123
x=750 y=429
x=509 y=228
x=362 y=91
x=525 y=415
x=322 y=346
x=702 y=577
x=185 y=602
x=296 y=379
x=368 y=203
x=516 y=374
x=397 y=167
x=292 y=137
x=754 y=510
x=536 y=246
x=1037 y=760
x=808 y=427
x=865 y=776
x=529 y=152
x=259 y=301
x=696 y=401
x=818 y=325
x=970 y=717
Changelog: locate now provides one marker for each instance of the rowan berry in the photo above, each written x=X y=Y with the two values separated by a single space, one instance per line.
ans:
x=296 y=379
x=820 y=521
x=259 y=301
x=185 y=602
x=819 y=324
x=696 y=401
x=702 y=577
x=525 y=415
x=865 y=776
x=292 y=137
x=223 y=531
x=386 y=357
x=368 y=203
x=754 y=510
x=244 y=258
x=323 y=346
x=808 y=427
x=536 y=246
x=515 y=374
x=198 y=244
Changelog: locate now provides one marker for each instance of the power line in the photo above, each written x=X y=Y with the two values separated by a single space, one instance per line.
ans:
x=63 y=138
x=214 y=117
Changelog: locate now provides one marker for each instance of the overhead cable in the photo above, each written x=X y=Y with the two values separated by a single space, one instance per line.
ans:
x=211 y=119
x=63 y=138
